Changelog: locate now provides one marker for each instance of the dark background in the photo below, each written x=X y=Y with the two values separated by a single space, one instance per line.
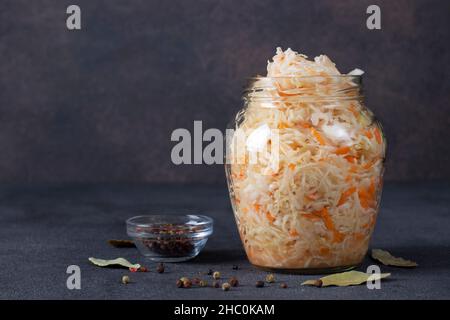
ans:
x=99 y=105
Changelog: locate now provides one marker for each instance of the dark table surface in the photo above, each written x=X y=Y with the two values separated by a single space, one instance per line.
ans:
x=44 y=230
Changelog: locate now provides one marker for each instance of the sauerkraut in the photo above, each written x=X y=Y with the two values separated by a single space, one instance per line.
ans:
x=316 y=208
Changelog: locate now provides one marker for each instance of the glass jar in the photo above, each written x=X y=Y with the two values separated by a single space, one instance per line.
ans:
x=304 y=165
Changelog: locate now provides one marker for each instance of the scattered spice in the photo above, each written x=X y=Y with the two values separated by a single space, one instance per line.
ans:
x=283 y=285
x=203 y=283
x=210 y=272
x=235 y=267
x=160 y=268
x=259 y=284
x=234 y=282
x=270 y=278
x=122 y=243
x=216 y=284
x=226 y=286
x=125 y=279
x=187 y=283
x=216 y=275
x=179 y=283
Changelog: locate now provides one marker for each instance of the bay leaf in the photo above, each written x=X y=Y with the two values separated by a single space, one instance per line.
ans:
x=115 y=262
x=388 y=259
x=122 y=243
x=349 y=278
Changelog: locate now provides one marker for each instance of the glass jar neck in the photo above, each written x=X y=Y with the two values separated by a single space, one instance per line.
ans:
x=288 y=90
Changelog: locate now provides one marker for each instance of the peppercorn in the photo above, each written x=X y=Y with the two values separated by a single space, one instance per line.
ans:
x=125 y=279
x=143 y=269
x=259 y=284
x=234 y=282
x=203 y=283
x=210 y=272
x=283 y=285
x=235 y=267
x=226 y=286
x=216 y=284
x=216 y=275
x=187 y=283
x=270 y=278
x=160 y=268
x=179 y=284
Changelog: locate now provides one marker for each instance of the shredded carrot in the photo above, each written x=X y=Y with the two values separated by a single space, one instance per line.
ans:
x=368 y=134
x=348 y=178
x=293 y=233
x=369 y=164
x=257 y=207
x=363 y=198
x=345 y=195
x=327 y=219
x=324 y=251
x=353 y=110
x=291 y=166
x=377 y=135
x=244 y=210
x=318 y=136
x=283 y=125
x=270 y=217
x=359 y=236
x=350 y=159
x=371 y=189
x=311 y=216
x=342 y=150
x=305 y=125
x=285 y=94
x=353 y=169
x=337 y=236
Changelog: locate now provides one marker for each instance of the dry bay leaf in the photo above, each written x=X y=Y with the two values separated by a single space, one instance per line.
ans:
x=389 y=260
x=115 y=262
x=344 y=279
x=121 y=243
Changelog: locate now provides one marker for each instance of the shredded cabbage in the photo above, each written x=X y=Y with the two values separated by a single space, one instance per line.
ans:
x=317 y=209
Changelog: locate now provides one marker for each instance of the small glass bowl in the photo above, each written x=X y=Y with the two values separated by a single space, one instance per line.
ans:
x=170 y=238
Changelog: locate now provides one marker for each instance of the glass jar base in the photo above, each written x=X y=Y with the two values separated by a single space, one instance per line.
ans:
x=170 y=260
x=310 y=270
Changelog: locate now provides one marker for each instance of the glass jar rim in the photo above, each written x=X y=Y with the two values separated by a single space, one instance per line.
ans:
x=290 y=77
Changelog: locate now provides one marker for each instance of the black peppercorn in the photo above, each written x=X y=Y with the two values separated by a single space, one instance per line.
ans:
x=160 y=268
x=235 y=267
x=187 y=283
x=226 y=286
x=259 y=284
x=234 y=282
x=283 y=285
